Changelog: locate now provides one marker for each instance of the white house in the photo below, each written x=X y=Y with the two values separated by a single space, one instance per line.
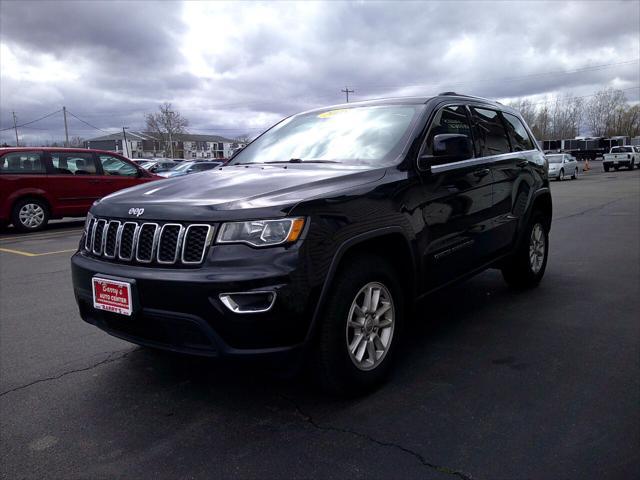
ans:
x=185 y=145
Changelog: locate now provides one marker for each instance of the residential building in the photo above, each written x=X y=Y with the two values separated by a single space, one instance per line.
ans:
x=185 y=145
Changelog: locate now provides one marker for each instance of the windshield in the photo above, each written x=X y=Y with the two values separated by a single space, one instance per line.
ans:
x=554 y=158
x=621 y=150
x=182 y=167
x=357 y=136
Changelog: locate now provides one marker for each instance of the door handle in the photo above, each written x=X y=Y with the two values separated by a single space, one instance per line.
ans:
x=481 y=173
x=522 y=163
x=95 y=181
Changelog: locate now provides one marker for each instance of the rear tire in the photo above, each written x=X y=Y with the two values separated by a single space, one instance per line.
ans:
x=526 y=267
x=360 y=329
x=30 y=215
x=561 y=175
x=575 y=175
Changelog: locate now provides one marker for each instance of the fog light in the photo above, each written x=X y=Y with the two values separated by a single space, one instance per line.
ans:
x=248 y=302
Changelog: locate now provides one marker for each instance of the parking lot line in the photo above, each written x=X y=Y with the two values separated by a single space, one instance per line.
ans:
x=40 y=236
x=28 y=254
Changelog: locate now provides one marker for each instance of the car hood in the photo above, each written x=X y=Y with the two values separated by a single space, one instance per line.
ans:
x=247 y=191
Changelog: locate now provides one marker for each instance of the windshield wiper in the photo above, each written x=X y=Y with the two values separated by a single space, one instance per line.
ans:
x=299 y=160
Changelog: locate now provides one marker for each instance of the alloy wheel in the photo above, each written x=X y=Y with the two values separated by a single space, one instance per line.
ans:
x=537 y=248
x=370 y=326
x=31 y=215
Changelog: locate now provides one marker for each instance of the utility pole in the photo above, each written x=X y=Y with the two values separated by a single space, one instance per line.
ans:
x=15 y=127
x=66 y=130
x=125 y=147
x=347 y=91
x=171 y=143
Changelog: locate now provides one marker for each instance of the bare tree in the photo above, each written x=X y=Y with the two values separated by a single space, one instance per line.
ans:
x=245 y=138
x=76 y=142
x=565 y=117
x=543 y=123
x=627 y=121
x=527 y=109
x=165 y=124
x=602 y=110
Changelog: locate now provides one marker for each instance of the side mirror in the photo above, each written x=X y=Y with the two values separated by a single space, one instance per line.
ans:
x=447 y=148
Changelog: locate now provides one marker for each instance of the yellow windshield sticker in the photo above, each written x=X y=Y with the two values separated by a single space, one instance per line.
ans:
x=332 y=113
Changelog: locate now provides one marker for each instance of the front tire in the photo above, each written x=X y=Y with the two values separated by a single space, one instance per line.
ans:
x=606 y=168
x=360 y=328
x=30 y=215
x=526 y=267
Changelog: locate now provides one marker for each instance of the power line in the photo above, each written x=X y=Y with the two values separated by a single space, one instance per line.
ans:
x=602 y=66
x=32 y=121
x=86 y=123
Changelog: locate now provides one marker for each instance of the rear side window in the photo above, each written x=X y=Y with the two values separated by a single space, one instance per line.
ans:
x=71 y=163
x=22 y=163
x=117 y=166
x=520 y=140
x=490 y=136
x=622 y=150
x=448 y=120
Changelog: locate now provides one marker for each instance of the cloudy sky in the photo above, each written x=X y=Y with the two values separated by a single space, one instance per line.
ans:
x=234 y=68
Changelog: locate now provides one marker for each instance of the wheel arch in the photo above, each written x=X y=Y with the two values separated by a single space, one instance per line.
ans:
x=24 y=195
x=389 y=241
x=35 y=194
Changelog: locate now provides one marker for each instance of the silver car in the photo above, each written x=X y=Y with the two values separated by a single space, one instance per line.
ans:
x=562 y=165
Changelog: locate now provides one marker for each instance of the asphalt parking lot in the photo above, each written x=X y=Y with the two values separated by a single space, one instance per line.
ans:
x=492 y=384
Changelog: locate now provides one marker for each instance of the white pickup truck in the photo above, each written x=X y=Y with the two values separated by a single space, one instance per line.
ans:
x=626 y=156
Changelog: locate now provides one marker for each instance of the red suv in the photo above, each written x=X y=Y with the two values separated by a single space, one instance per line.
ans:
x=37 y=184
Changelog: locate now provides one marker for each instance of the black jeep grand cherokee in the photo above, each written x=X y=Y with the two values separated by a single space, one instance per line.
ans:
x=321 y=234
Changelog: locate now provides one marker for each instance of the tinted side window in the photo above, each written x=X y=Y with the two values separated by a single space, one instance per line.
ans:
x=71 y=163
x=448 y=120
x=517 y=133
x=22 y=162
x=117 y=166
x=490 y=135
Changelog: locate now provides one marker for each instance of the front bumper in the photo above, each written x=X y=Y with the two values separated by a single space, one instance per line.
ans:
x=180 y=309
x=616 y=163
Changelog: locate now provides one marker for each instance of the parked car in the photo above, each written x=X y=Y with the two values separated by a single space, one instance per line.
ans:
x=563 y=165
x=157 y=166
x=185 y=168
x=627 y=156
x=38 y=184
x=320 y=235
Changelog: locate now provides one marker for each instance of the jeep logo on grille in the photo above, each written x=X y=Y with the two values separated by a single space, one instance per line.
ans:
x=136 y=211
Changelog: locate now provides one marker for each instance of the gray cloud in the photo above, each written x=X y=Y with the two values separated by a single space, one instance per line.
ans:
x=111 y=62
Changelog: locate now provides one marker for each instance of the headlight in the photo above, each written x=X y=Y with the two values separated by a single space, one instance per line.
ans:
x=262 y=233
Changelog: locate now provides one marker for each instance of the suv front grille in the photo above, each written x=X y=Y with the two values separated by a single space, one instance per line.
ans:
x=148 y=242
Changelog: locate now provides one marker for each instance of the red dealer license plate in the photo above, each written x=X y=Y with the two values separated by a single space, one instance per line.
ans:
x=112 y=296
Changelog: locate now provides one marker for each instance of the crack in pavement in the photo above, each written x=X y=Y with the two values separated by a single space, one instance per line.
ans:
x=105 y=361
x=593 y=209
x=439 y=468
